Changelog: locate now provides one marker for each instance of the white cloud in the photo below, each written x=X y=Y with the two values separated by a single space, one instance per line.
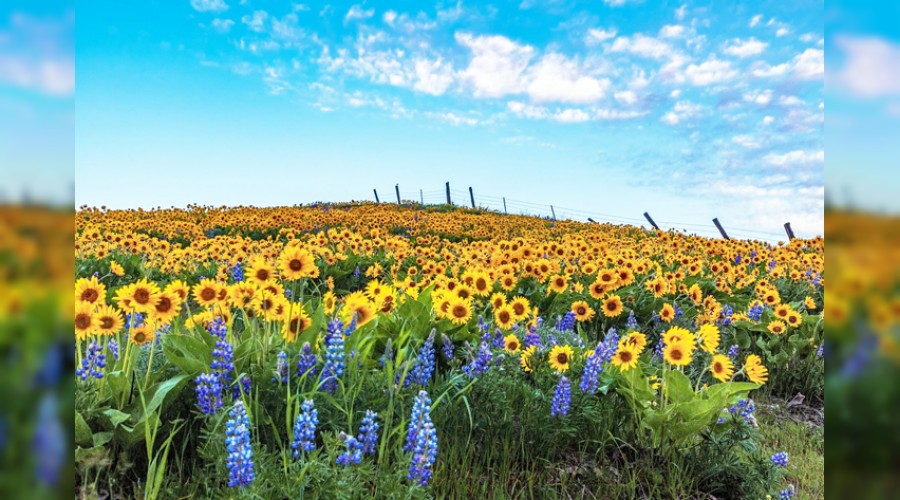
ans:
x=871 y=67
x=599 y=35
x=618 y=3
x=765 y=71
x=768 y=120
x=790 y=100
x=209 y=5
x=357 y=13
x=643 y=46
x=710 y=72
x=560 y=79
x=626 y=97
x=257 y=21
x=746 y=141
x=497 y=64
x=782 y=32
x=755 y=20
x=680 y=12
x=389 y=17
x=432 y=77
x=760 y=97
x=571 y=115
x=809 y=65
x=675 y=94
x=50 y=75
x=454 y=119
x=222 y=25
x=745 y=48
x=796 y=157
x=682 y=111
x=671 y=31
x=807 y=37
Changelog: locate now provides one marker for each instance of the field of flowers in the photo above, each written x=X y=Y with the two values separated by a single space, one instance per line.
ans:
x=404 y=351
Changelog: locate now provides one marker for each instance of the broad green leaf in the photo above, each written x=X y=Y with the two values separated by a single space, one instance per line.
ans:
x=82 y=430
x=163 y=389
x=678 y=387
x=116 y=417
x=101 y=438
x=188 y=352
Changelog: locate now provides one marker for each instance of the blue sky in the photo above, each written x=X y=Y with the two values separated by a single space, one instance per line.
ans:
x=687 y=110
x=37 y=100
x=863 y=46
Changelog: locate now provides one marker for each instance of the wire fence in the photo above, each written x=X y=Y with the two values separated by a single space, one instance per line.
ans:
x=502 y=204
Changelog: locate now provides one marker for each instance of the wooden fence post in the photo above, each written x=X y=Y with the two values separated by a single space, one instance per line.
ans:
x=504 y=206
x=472 y=196
x=788 y=230
x=448 y=194
x=553 y=212
x=376 y=196
x=649 y=219
x=397 y=189
x=720 y=228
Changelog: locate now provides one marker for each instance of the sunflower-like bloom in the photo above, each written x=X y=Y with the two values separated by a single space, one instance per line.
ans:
x=503 y=317
x=90 y=290
x=295 y=263
x=460 y=311
x=109 y=320
x=721 y=367
x=709 y=335
x=85 y=322
x=678 y=353
x=138 y=297
x=612 y=306
x=582 y=311
x=559 y=358
x=526 y=359
x=756 y=372
x=511 y=343
x=626 y=357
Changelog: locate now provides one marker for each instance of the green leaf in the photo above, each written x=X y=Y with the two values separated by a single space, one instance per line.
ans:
x=678 y=387
x=743 y=339
x=116 y=417
x=82 y=430
x=163 y=389
x=101 y=438
x=187 y=352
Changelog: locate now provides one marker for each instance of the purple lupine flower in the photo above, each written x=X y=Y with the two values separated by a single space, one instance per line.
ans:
x=562 y=398
x=733 y=351
x=209 y=393
x=532 y=339
x=421 y=440
x=335 y=362
x=305 y=428
x=447 y=347
x=352 y=453
x=424 y=368
x=93 y=363
x=240 y=451
x=780 y=459
x=368 y=432
x=306 y=364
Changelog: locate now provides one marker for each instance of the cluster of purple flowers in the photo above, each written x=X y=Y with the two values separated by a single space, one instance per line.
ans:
x=532 y=339
x=566 y=323
x=447 y=347
x=755 y=312
x=113 y=347
x=240 y=452
x=281 y=368
x=481 y=363
x=421 y=440
x=93 y=363
x=305 y=428
x=632 y=323
x=603 y=353
x=733 y=351
x=743 y=408
x=368 y=432
x=352 y=453
x=424 y=368
x=209 y=393
x=786 y=494
x=727 y=312
x=780 y=459
x=388 y=355
x=335 y=357
x=237 y=272
x=562 y=398
x=306 y=364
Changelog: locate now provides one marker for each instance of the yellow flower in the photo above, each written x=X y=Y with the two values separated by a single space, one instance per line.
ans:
x=777 y=327
x=636 y=340
x=756 y=372
x=116 y=269
x=721 y=367
x=85 y=322
x=678 y=353
x=667 y=313
x=582 y=311
x=626 y=357
x=525 y=359
x=559 y=358
x=709 y=335
x=511 y=343
x=612 y=306
x=503 y=317
x=460 y=310
x=90 y=291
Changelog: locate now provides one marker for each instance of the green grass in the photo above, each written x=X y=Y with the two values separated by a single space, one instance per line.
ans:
x=804 y=442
